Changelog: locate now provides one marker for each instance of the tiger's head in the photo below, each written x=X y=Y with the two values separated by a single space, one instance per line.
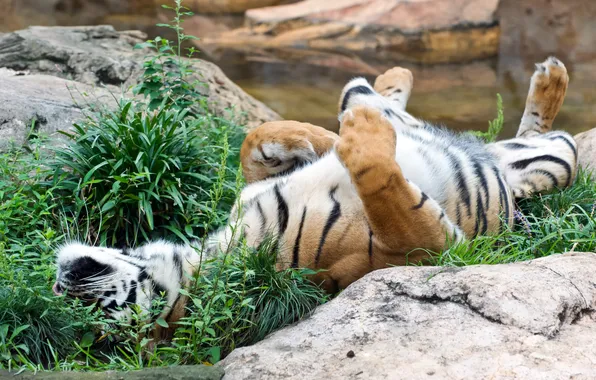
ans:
x=103 y=276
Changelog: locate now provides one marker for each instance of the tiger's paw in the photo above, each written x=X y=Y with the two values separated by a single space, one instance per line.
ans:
x=395 y=84
x=278 y=147
x=367 y=139
x=545 y=98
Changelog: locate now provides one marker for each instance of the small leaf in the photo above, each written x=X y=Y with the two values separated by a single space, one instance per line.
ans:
x=162 y=322
x=87 y=340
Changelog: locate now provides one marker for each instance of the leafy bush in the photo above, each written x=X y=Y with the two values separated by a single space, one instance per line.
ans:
x=137 y=175
x=34 y=326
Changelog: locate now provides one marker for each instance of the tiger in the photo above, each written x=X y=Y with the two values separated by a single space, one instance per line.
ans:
x=387 y=190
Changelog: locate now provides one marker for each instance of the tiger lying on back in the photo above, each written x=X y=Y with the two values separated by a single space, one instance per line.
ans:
x=384 y=192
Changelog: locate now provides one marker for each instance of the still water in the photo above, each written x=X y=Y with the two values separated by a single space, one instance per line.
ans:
x=305 y=86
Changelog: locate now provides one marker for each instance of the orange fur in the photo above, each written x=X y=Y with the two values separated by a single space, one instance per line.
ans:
x=292 y=135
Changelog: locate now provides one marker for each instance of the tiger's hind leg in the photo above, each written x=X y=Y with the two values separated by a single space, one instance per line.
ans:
x=545 y=98
x=396 y=85
x=539 y=160
x=401 y=217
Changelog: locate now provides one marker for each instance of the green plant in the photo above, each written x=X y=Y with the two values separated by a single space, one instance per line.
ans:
x=137 y=175
x=34 y=325
x=495 y=126
x=239 y=299
x=166 y=78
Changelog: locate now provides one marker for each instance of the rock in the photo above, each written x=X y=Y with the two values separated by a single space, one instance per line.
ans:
x=429 y=31
x=412 y=16
x=42 y=103
x=529 y=320
x=198 y=372
x=97 y=57
x=225 y=6
x=586 y=149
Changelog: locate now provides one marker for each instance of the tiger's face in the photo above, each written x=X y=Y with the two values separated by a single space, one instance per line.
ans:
x=98 y=275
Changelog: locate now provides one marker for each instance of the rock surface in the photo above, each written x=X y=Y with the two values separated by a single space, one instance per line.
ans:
x=225 y=6
x=42 y=103
x=94 y=57
x=586 y=149
x=417 y=30
x=170 y=373
x=531 y=320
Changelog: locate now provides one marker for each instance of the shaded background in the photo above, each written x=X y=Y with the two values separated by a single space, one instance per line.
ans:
x=461 y=96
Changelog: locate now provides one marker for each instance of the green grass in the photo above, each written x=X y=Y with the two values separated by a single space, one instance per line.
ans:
x=546 y=224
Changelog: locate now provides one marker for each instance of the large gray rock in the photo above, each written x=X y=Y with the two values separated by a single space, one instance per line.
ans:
x=198 y=372
x=586 y=149
x=42 y=103
x=94 y=57
x=531 y=320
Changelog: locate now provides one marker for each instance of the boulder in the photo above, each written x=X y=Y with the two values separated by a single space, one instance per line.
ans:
x=95 y=58
x=586 y=149
x=42 y=104
x=428 y=31
x=198 y=372
x=225 y=6
x=528 y=320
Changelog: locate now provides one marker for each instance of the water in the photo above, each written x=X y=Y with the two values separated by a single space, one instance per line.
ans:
x=305 y=86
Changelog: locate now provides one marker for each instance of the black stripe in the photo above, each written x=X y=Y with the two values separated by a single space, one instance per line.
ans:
x=422 y=201
x=296 y=253
x=513 y=145
x=131 y=299
x=143 y=275
x=370 y=245
x=282 y=211
x=561 y=137
x=503 y=195
x=263 y=219
x=442 y=215
x=522 y=164
x=178 y=262
x=480 y=215
x=363 y=90
x=461 y=182
x=265 y=157
x=333 y=217
x=389 y=112
x=480 y=174
x=112 y=305
x=546 y=173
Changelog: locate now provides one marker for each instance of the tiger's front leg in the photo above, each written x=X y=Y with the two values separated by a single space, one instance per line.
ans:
x=539 y=160
x=402 y=218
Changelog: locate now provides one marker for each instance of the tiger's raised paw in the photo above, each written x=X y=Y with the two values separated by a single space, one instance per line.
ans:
x=367 y=141
x=395 y=84
x=545 y=98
